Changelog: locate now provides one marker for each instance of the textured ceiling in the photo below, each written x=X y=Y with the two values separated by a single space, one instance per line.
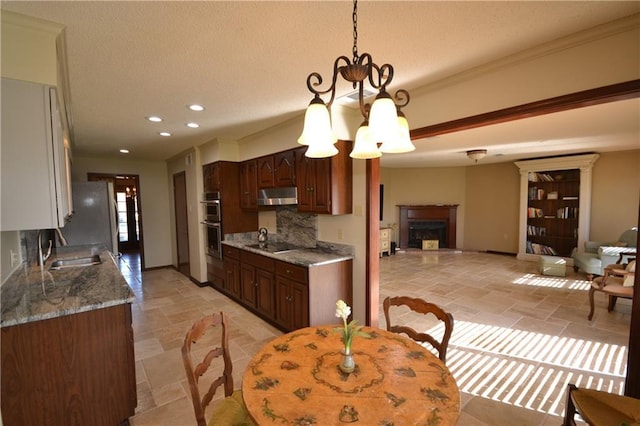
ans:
x=248 y=62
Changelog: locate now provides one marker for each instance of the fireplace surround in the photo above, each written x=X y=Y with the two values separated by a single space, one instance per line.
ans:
x=428 y=222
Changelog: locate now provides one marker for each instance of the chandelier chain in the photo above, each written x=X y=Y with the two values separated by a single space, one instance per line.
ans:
x=355 y=31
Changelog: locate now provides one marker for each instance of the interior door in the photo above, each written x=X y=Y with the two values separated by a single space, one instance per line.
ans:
x=182 y=226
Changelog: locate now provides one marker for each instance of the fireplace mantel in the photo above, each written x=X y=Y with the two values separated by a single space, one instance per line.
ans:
x=438 y=212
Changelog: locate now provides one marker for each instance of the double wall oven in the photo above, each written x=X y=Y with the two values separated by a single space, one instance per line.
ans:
x=211 y=203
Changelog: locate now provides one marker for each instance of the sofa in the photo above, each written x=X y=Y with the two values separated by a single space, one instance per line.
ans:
x=597 y=255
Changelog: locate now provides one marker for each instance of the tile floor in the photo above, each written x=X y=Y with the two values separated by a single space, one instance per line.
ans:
x=518 y=337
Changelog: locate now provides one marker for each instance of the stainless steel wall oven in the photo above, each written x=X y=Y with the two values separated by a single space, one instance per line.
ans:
x=212 y=208
x=211 y=203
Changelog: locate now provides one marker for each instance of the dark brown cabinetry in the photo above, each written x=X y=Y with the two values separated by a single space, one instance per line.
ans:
x=257 y=282
x=552 y=212
x=74 y=369
x=287 y=295
x=277 y=170
x=249 y=185
x=325 y=185
x=212 y=179
x=292 y=296
x=224 y=177
x=231 y=284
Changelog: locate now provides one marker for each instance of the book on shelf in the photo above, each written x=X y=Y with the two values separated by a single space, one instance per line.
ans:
x=534 y=212
x=535 y=248
x=540 y=177
x=570 y=198
x=567 y=213
x=552 y=195
x=539 y=231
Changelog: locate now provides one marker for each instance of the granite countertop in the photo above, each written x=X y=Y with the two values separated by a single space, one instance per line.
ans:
x=34 y=294
x=304 y=256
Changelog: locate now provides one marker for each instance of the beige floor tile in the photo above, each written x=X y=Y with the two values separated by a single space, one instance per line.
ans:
x=518 y=337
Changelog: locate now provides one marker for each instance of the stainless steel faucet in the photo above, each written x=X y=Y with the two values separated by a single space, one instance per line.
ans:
x=42 y=257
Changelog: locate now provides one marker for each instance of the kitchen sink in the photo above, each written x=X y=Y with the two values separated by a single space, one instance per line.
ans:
x=75 y=262
x=274 y=248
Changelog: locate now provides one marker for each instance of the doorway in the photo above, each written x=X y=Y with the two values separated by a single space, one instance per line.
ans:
x=129 y=214
x=182 y=225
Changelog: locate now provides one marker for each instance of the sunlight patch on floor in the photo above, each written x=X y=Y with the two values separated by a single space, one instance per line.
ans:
x=527 y=369
x=556 y=282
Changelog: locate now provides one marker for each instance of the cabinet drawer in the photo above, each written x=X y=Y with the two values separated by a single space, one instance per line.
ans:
x=384 y=245
x=231 y=252
x=291 y=271
x=384 y=233
x=257 y=260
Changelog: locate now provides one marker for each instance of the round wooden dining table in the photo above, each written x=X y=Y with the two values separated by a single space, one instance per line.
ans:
x=295 y=379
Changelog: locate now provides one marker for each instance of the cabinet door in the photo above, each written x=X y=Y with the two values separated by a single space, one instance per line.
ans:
x=285 y=168
x=305 y=171
x=249 y=185
x=266 y=172
x=283 y=312
x=33 y=155
x=248 y=284
x=321 y=194
x=232 y=276
x=265 y=297
x=211 y=177
x=299 y=300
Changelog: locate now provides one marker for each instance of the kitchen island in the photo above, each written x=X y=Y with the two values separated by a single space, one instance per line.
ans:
x=67 y=343
x=293 y=287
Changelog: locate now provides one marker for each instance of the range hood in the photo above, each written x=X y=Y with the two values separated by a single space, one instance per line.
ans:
x=278 y=196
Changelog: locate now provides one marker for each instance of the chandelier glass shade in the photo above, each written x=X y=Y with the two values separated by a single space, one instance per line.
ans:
x=477 y=154
x=384 y=123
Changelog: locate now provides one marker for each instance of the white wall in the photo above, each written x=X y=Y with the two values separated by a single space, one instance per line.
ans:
x=189 y=162
x=154 y=200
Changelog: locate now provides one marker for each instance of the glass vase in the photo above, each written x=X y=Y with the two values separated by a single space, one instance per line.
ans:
x=347 y=364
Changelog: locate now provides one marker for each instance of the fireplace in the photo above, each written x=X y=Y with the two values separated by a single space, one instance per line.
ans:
x=427 y=230
x=430 y=222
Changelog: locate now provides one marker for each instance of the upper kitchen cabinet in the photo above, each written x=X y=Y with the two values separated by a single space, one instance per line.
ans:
x=277 y=170
x=224 y=177
x=325 y=185
x=249 y=185
x=212 y=181
x=36 y=189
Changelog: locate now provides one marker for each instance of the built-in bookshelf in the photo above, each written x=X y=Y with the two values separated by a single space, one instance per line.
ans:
x=555 y=195
x=552 y=212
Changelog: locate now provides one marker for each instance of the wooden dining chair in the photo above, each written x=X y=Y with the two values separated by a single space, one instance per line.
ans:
x=599 y=408
x=423 y=307
x=231 y=410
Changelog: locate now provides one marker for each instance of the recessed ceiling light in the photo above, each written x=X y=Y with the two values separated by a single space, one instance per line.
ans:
x=124 y=151
x=154 y=118
x=193 y=125
x=165 y=134
x=195 y=107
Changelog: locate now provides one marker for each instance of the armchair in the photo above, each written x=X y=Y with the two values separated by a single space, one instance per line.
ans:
x=598 y=255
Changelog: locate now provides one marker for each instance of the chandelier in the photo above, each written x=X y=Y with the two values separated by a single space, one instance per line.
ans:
x=384 y=123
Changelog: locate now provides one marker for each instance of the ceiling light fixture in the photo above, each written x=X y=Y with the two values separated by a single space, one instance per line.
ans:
x=124 y=151
x=154 y=118
x=383 y=121
x=476 y=154
x=195 y=107
x=165 y=134
x=192 y=125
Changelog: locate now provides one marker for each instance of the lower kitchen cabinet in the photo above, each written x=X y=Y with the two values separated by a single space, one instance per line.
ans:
x=76 y=369
x=231 y=285
x=288 y=295
x=257 y=282
x=292 y=296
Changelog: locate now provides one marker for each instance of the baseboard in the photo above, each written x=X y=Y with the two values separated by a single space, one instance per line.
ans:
x=502 y=253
